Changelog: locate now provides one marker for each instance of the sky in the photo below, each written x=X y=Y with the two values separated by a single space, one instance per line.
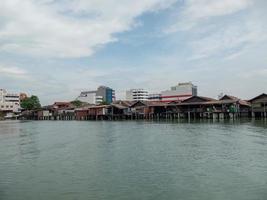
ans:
x=56 y=48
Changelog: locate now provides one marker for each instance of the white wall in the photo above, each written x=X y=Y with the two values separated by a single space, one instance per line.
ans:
x=136 y=94
x=89 y=98
x=9 y=102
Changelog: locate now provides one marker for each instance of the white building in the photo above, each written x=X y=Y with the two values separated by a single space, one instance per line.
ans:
x=102 y=94
x=89 y=97
x=9 y=102
x=179 y=92
x=136 y=95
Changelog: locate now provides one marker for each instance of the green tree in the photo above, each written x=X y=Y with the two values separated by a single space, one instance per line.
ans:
x=31 y=103
x=77 y=103
x=104 y=103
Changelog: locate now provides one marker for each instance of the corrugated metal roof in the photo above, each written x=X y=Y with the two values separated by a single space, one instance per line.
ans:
x=119 y=106
x=257 y=97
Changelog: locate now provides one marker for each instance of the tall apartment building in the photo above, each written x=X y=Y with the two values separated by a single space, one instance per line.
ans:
x=9 y=102
x=179 y=92
x=136 y=95
x=102 y=94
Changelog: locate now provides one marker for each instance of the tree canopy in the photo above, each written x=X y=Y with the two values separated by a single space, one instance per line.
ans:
x=104 y=103
x=77 y=103
x=31 y=103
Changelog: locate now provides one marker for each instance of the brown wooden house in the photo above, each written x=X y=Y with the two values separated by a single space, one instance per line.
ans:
x=259 y=106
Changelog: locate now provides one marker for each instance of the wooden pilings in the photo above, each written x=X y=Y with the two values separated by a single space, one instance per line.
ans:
x=150 y=116
x=169 y=116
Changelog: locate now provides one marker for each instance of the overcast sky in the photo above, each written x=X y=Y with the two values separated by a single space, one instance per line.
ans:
x=56 y=48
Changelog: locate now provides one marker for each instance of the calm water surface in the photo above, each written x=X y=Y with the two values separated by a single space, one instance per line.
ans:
x=133 y=160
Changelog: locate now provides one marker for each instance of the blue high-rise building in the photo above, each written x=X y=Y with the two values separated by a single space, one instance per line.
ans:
x=107 y=93
x=110 y=95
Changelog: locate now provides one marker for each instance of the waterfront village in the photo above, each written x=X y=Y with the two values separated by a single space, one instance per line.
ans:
x=180 y=101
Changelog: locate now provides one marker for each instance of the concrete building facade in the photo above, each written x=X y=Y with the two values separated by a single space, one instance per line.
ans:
x=88 y=97
x=179 y=92
x=102 y=94
x=107 y=94
x=136 y=95
x=9 y=102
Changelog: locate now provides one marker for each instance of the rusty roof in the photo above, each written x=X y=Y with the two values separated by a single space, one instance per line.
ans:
x=119 y=106
x=92 y=107
x=216 y=102
x=230 y=97
x=257 y=97
x=122 y=102
x=199 y=97
x=61 y=103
